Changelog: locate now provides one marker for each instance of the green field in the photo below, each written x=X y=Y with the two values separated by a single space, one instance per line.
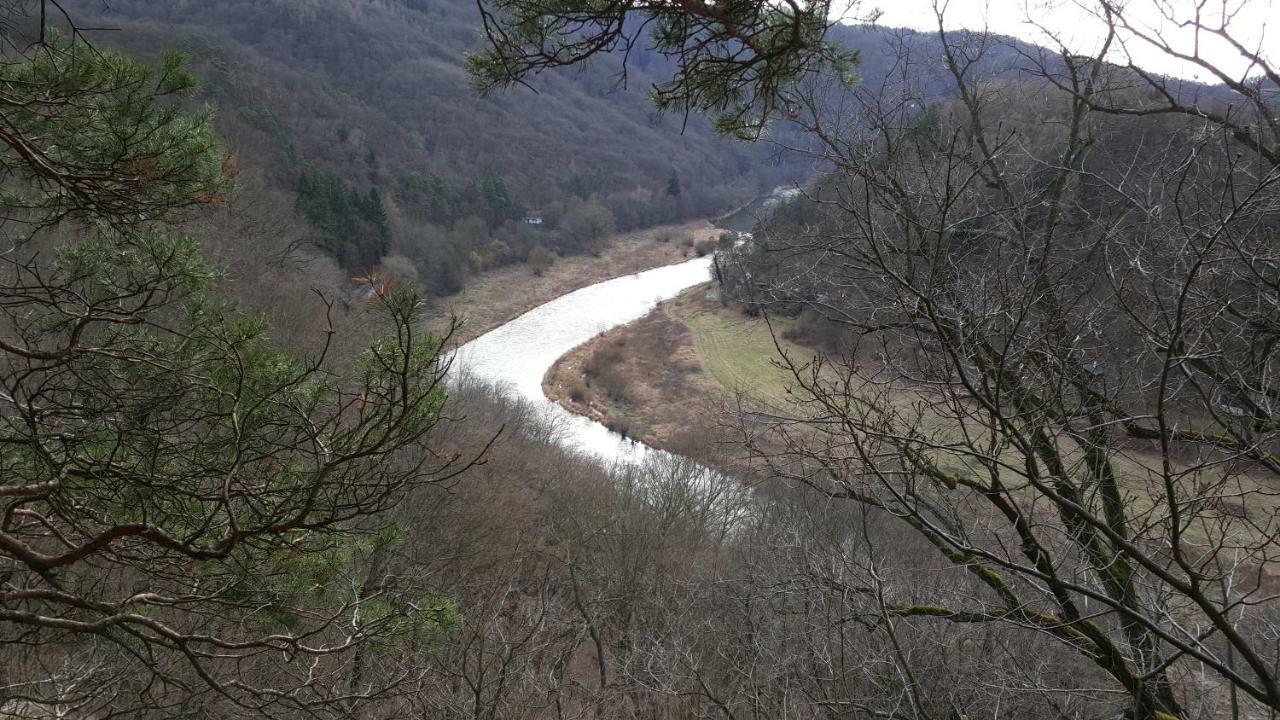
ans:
x=738 y=353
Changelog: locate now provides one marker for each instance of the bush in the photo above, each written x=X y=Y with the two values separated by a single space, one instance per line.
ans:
x=604 y=358
x=705 y=247
x=603 y=369
x=727 y=239
x=585 y=228
x=400 y=269
x=618 y=424
x=812 y=330
x=579 y=392
x=663 y=236
x=613 y=384
x=540 y=260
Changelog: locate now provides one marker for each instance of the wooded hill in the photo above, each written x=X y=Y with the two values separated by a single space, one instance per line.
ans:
x=338 y=99
x=339 y=102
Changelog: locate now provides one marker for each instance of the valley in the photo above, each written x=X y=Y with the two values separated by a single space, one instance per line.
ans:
x=557 y=360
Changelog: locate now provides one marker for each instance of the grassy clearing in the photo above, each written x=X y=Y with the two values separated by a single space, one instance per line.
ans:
x=738 y=352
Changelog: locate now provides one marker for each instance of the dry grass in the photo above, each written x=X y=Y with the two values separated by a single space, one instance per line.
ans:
x=665 y=393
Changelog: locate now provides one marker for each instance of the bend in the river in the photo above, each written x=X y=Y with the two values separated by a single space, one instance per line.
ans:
x=515 y=356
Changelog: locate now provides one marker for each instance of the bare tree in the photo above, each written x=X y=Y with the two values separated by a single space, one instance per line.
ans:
x=1063 y=363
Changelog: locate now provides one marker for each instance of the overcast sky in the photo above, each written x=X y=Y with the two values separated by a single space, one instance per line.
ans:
x=1251 y=22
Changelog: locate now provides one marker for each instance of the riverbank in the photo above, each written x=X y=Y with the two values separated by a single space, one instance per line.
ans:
x=671 y=375
x=676 y=379
x=497 y=296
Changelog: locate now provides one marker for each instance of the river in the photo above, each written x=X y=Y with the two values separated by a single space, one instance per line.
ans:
x=517 y=355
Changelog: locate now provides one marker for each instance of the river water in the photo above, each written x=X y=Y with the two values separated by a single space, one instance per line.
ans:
x=517 y=355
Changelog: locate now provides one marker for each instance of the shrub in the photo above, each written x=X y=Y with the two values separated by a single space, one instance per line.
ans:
x=603 y=368
x=540 y=260
x=579 y=392
x=812 y=330
x=400 y=269
x=585 y=228
x=705 y=247
x=612 y=383
x=605 y=357
x=618 y=424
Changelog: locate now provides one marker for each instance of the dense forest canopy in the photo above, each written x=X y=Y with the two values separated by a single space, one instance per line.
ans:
x=375 y=97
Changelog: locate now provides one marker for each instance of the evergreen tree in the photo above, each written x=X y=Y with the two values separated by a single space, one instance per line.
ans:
x=350 y=225
x=187 y=507
x=673 y=185
x=501 y=207
x=377 y=215
x=735 y=60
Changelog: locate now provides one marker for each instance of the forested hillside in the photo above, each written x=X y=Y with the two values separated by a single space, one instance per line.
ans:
x=365 y=111
x=338 y=99
x=1017 y=456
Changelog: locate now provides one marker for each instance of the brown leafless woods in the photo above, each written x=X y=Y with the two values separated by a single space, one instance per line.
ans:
x=1034 y=476
x=1057 y=295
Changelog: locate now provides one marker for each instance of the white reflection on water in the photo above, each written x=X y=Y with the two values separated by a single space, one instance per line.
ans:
x=516 y=356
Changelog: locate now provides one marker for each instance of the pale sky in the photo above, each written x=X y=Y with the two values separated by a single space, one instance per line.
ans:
x=1077 y=23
